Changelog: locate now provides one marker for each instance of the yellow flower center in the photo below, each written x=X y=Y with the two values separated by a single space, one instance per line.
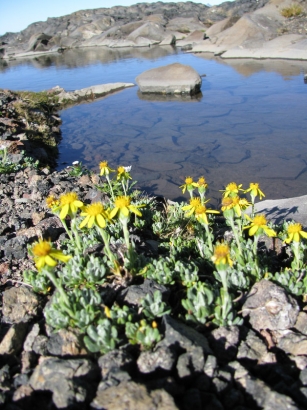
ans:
x=254 y=185
x=194 y=202
x=294 y=228
x=121 y=170
x=202 y=181
x=235 y=200
x=68 y=198
x=188 y=180
x=201 y=209
x=233 y=187
x=259 y=220
x=41 y=248
x=50 y=201
x=122 y=202
x=94 y=209
x=221 y=252
x=227 y=201
x=103 y=164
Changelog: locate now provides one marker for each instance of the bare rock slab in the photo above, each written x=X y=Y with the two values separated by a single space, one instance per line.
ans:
x=170 y=79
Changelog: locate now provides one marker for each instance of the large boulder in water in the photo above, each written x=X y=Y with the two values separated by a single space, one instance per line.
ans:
x=171 y=79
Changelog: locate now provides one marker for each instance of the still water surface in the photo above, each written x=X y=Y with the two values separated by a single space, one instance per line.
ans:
x=248 y=124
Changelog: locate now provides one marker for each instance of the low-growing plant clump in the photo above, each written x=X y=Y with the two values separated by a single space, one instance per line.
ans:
x=209 y=259
x=292 y=11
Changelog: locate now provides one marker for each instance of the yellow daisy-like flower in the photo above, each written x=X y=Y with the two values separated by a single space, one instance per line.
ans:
x=45 y=254
x=104 y=168
x=201 y=214
x=232 y=189
x=221 y=256
x=122 y=173
x=258 y=226
x=232 y=203
x=254 y=190
x=194 y=203
x=123 y=208
x=52 y=202
x=295 y=233
x=188 y=185
x=69 y=204
x=202 y=184
x=95 y=214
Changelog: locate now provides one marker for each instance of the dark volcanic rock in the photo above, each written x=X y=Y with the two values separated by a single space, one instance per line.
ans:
x=270 y=307
x=130 y=395
x=68 y=380
x=20 y=305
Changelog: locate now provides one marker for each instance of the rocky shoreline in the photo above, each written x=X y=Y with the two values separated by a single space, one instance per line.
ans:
x=261 y=364
x=237 y=29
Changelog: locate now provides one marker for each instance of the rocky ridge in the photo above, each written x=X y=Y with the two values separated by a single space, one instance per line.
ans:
x=241 y=28
x=259 y=365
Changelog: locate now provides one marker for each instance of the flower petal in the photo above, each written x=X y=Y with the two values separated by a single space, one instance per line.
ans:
x=253 y=230
x=101 y=221
x=113 y=212
x=84 y=222
x=50 y=262
x=60 y=256
x=64 y=211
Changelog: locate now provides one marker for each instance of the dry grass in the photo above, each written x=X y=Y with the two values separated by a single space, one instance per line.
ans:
x=292 y=11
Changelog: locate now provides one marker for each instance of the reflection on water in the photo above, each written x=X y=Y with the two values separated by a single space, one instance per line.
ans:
x=247 y=125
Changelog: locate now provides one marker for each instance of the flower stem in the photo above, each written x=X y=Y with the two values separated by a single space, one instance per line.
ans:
x=76 y=234
x=110 y=185
x=58 y=286
x=126 y=232
x=296 y=252
x=106 y=240
x=235 y=232
x=66 y=229
x=209 y=240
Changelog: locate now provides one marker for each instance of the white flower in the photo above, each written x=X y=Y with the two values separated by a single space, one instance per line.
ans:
x=75 y=163
x=128 y=169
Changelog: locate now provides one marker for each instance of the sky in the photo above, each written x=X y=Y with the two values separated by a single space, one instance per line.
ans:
x=16 y=15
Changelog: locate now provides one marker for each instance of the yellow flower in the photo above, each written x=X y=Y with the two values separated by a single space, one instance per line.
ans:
x=295 y=233
x=95 y=215
x=221 y=256
x=45 y=254
x=201 y=214
x=123 y=208
x=122 y=173
x=259 y=225
x=231 y=203
x=244 y=204
x=232 y=189
x=188 y=185
x=69 y=204
x=201 y=184
x=104 y=168
x=194 y=203
x=254 y=190
x=154 y=324
x=52 y=202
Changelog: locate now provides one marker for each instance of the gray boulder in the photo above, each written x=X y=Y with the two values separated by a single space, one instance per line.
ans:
x=171 y=79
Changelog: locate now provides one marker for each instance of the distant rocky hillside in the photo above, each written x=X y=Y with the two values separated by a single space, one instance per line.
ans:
x=234 y=29
x=141 y=23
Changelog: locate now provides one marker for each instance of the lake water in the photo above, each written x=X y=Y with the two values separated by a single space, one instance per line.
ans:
x=248 y=124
